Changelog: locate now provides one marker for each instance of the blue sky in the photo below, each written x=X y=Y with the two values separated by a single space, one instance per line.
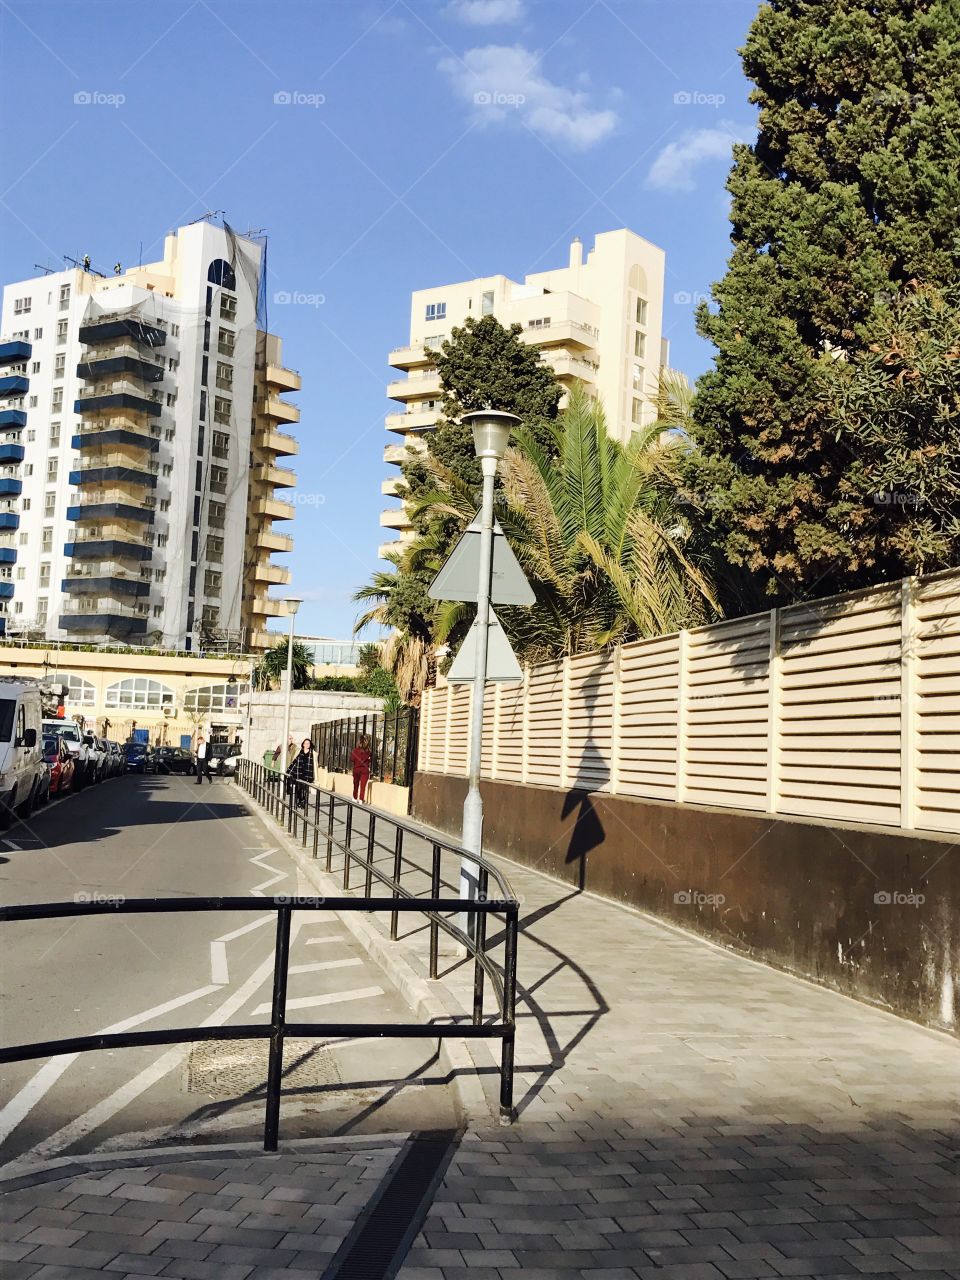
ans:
x=382 y=173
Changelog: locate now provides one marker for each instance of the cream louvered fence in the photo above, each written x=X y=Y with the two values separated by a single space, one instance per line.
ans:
x=846 y=709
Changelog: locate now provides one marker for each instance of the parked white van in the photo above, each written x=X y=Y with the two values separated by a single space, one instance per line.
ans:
x=22 y=767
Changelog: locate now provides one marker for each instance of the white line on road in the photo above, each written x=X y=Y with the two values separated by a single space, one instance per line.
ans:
x=275 y=879
x=336 y=997
x=325 y=964
x=219 y=969
x=331 y=937
x=22 y=1103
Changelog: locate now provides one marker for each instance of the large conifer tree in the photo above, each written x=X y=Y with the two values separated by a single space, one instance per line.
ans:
x=848 y=200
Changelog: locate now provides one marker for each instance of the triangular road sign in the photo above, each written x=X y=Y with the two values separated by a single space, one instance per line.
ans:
x=502 y=664
x=459 y=577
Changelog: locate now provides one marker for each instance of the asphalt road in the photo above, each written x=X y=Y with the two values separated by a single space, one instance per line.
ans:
x=165 y=837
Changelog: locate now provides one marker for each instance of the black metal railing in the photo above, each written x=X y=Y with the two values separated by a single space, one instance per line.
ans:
x=393 y=744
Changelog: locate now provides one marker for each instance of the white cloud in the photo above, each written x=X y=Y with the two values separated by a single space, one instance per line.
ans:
x=675 y=167
x=486 y=13
x=502 y=81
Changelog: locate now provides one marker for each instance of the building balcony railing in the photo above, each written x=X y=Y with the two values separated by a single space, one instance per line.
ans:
x=274 y=574
x=11 y=452
x=127 y=360
x=412 y=420
x=129 y=473
x=268 y=608
x=118 y=585
x=118 y=395
x=10 y=487
x=9 y=520
x=107 y=544
x=14 y=384
x=283 y=379
x=6 y=589
x=273 y=407
x=395 y=518
x=412 y=355
x=113 y=328
x=281 y=477
x=113 y=621
x=13 y=350
x=116 y=431
x=274 y=509
x=12 y=419
x=277 y=442
x=415 y=387
x=267 y=540
x=120 y=509
x=8 y=555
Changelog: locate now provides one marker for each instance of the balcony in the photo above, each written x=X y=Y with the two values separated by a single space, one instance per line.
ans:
x=280 y=477
x=114 y=431
x=109 y=619
x=268 y=608
x=413 y=355
x=391 y=488
x=273 y=574
x=123 y=585
x=267 y=540
x=413 y=420
x=8 y=555
x=277 y=442
x=9 y=520
x=6 y=590
x=110 y=546
x=283 y=379
x=395 y=518
x=15 y=350
x=416 y=387
x=109 y=509
x=280 y=410
x=10 y=487
x=13 y=419
x=130 y=473
x=118 y=395
x=126 y=361
x=114 y=328
x=565 y=365
x=11 y=452
x=572 y=333
x=274 y=509
x=397 y=453
x=14 y=384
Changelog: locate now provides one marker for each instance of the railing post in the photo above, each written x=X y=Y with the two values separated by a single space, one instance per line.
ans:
x=330 y=832
x=774 y=703
x=434 y=926
x=509 y=1011
x=480 y=937
x=683 y=703
x=306 y=810
x=316 y=822
x=278 y=1018
x=371 y=840
x=397 y=872
x=346 y=846
x=909 y=708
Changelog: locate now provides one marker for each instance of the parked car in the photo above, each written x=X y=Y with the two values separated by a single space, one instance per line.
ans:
x=223 y=758
x=175 y=760
x=139 y=758
x=98 y=755
x=115 y=761
x=60 y=762
x=83 y=758
x=23 y=772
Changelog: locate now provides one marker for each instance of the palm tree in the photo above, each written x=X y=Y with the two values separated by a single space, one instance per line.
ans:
x=400 y=601
x=272 y=668
x=597 y=528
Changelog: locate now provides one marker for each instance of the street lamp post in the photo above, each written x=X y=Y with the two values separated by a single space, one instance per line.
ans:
x=293 y=604
x=491 y=435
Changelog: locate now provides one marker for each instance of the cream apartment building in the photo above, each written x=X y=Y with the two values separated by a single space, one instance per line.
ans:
x=598 y=320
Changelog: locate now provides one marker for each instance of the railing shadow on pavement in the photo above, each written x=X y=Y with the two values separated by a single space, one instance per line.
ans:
x=397 y=901
x=330 y=824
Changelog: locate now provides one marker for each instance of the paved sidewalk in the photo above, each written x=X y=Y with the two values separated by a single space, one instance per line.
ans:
x=683 y=1114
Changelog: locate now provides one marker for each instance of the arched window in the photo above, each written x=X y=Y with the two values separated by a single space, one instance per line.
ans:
x=140 y=693
x=80 y=692
x=223 y=274
x=214 y=697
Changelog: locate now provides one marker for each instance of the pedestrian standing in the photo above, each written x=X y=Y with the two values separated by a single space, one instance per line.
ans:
x=301 y=772
x=360 y=760
x=203 y=761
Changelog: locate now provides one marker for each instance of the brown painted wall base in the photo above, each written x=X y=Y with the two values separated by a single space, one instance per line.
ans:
x=836 y=904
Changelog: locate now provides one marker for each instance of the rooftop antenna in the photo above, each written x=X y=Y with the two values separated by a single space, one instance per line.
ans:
x=47 y=271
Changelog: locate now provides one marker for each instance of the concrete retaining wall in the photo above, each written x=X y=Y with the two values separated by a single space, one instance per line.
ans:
x=307 y=707
x=871 y=912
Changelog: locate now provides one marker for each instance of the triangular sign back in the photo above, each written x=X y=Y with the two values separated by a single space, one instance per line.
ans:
x=502 y=664
x=459 y=577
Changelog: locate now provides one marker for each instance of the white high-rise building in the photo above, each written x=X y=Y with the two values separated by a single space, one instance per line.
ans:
x=598 y=320
x=140 y=418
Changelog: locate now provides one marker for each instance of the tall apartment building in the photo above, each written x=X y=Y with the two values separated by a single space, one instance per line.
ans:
x=141 y=423
x=598 y=321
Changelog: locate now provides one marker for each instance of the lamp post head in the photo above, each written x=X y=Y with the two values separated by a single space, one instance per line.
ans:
x=491 y=431
x=293 y=603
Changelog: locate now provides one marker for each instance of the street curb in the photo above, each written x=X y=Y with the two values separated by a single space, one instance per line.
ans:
x=474 y=1107
x=69 y=1166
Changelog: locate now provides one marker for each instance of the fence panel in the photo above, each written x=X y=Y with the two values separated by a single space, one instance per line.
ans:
x=589 y=740
x=546 y=724
x=459 y=729
x=510 y=735
x=937 y=705
x=437 y=737
x=649 y=682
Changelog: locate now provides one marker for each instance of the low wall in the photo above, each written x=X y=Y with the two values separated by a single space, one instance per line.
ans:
x=307 y=707
x=871 y=912
x=381 y=795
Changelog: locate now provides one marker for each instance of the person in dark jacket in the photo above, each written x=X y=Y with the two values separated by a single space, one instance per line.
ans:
x=301 y=772
x=360 y=760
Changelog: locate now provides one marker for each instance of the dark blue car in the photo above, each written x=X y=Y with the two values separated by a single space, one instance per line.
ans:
x=138 y=758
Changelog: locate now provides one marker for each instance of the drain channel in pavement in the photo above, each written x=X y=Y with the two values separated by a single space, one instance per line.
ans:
x=382 y=1235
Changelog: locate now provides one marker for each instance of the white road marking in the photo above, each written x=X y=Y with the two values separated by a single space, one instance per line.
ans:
x=325 y=964
x=331 y=937
x=122 y=1097
x=275 y=879
x=336 y=997
x=22 y=1103
x=219 y=969
x=15 y=847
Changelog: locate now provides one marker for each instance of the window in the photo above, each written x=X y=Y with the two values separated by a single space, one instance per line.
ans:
x=164 y=504
x=64 y=297
x=220 y=272
x=51 y=469
x=46 y=543
x=211 y=583
x=54 y=434
x=221 y=445
x=167 y=469
x=221 y=410
x=31 y=436
x=23 y=539
x=37 y=334
x=638 y=377
x=22 y=306
x=26 y=504
x=41 y=611
x=56 y=403
x=157 y=610
x=436 y=311
x=62 y=326
x=28 y=469
x=215 y=697
x=637 y=412
x=641 y=311
x=172 y=363
x=224 y=375
x=539 y=324
x=486 y=304
x=50 y=504
x=59 y=365
x=226 y=341
x=45 y=574
x=35 y=366
x=139 y=692
x=21 y=573
x=32 y=402
x=216 y=515
x=161 y=539
x=228 y=307
x=159 y=574
x=80 y=692
x=168 y=434
x=218 y=479
x=175 y=331
x=171 y=399
x=639 y=344
x=214 y=549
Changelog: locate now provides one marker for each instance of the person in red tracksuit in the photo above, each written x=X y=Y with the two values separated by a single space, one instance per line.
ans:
x=360 y=760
